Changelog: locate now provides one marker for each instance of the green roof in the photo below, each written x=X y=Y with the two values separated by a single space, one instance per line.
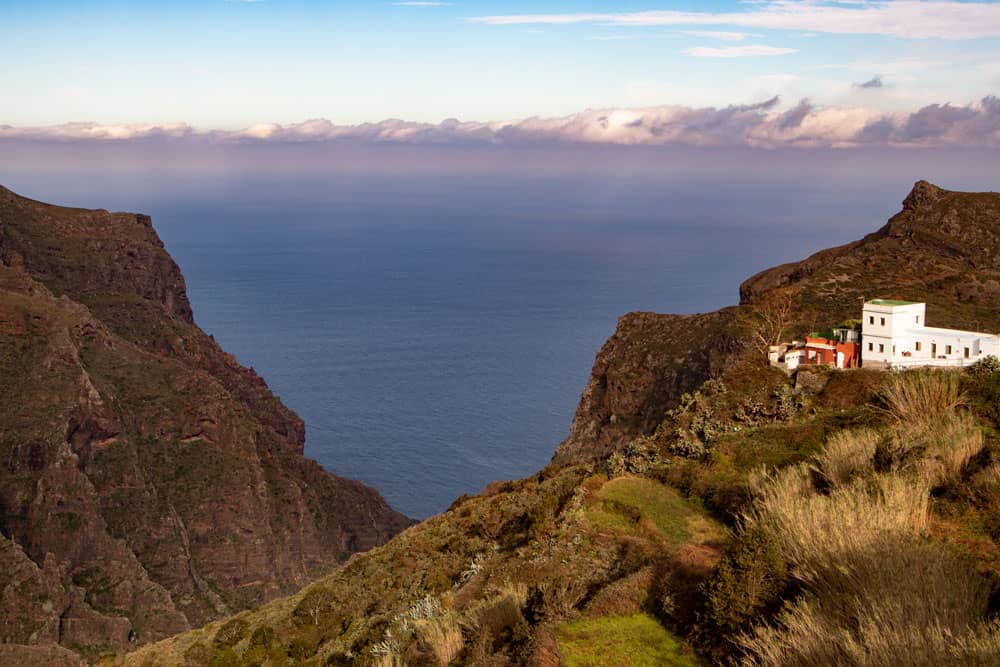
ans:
x=892 y=302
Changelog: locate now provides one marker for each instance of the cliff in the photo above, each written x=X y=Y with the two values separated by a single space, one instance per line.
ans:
x=635 y=519
x=640 y=372
x=148 y=482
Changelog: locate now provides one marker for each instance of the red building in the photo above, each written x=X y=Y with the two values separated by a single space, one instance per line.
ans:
x=832 y=353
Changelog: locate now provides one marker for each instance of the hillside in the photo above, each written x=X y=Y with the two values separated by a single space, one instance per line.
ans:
x=705 y=507
x=148 y=482
x=943 y=248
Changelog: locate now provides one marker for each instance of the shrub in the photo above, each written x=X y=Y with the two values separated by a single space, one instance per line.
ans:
x=845 y=454
x=749 y=578
x=985 y=368
x=984 y=385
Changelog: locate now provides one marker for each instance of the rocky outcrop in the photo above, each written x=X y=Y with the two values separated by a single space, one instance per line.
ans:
x=639 y=374
x=943 y=248
x=148 y=482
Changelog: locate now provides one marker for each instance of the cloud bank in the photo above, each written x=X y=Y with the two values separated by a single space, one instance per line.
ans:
x=947 y=19
x=763 y=125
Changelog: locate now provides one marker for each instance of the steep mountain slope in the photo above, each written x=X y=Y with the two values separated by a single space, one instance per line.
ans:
x=942 y=248
x=148 y=482
x=677 y=420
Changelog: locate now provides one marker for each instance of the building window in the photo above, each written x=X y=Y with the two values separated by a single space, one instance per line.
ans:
x=894 y=350
x=947 y=349
x=916 y=319
x=881 y=347
x=871 y=347
x=881 y=321
x=871 y=319
x=934 y=350
x=917 y=344
x=966 y=353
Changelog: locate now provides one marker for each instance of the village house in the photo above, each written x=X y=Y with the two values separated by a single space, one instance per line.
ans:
x=841 y=350
x=894 y=334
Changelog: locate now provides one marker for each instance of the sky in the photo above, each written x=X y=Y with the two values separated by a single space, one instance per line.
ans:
x=236 y=64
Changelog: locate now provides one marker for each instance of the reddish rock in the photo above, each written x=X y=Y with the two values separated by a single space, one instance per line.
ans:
x=148 y=482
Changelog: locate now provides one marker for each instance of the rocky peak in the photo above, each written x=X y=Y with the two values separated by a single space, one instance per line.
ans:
x=923 y=194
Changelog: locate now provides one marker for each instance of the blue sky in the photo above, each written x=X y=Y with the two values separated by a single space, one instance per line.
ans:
x=232 y=64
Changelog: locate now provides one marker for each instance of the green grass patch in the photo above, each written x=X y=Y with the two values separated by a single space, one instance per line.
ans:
x=630 y=504
x=622 y=641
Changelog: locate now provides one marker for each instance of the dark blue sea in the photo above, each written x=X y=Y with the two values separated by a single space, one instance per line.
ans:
x=434 y=330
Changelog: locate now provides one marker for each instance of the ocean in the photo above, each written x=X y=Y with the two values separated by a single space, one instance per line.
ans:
x=435 y=330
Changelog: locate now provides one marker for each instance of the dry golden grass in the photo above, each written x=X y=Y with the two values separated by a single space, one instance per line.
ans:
x=442 y=637
x=876 y=590
x=899 y=600
x=846 y=454
x=951 y=445
x=929 y=433
x=922 y=395
x=819 y=533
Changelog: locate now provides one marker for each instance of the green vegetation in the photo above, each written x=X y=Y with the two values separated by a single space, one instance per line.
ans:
x=622 y=641
x=631 y=503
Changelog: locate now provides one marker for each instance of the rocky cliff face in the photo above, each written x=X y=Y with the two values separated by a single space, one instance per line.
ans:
x=943 y=248
x=639 y=374
x=148 y=482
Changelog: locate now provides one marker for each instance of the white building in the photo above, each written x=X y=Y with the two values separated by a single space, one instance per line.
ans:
x=895 y=335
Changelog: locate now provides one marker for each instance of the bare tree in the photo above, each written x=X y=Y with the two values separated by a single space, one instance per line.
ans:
x=767 y=321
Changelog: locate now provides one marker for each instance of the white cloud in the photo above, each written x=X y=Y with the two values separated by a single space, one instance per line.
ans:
x=721 y=35
x=748 y=51
x=765 y=125
x=949 y=19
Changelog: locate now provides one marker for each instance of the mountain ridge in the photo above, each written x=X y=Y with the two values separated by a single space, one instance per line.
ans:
x=150 y=481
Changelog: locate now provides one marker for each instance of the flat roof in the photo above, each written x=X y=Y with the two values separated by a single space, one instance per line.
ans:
x=892 y=302
x=950 y=332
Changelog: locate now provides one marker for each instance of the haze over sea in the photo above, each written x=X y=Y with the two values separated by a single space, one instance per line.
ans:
x=435 y=320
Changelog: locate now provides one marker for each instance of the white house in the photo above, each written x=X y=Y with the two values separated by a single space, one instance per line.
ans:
x=894 y=334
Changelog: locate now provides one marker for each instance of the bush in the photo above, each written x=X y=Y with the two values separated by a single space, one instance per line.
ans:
x=749 y=579
x=984 y=385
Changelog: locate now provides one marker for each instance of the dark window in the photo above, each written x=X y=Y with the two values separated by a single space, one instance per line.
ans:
x=881 y=347
x=871 y=320
x=966 y=353
x=917 y=319
x=917 y=345
x=882 y=321
x=934 y=349
x=947 y=349
x=871 y=346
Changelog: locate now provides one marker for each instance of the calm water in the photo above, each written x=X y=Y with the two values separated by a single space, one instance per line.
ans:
x=435 y=334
